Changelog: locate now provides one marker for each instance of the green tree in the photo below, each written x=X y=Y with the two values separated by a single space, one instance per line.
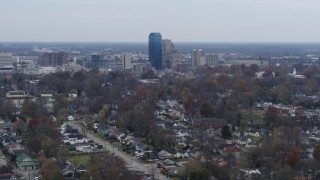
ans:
x=48 y=146
x=30 y=109
x=316 y=152
x=206 y=109
x=7 y=109
x=102 y=115
x=200 y=174
x=52 y=169
x=225 y=131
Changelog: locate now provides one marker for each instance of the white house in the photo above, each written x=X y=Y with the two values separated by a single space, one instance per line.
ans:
x=70 y=118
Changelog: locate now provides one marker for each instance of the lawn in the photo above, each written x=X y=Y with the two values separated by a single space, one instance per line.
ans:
x=117 y=145
x=83 y=158
x=79 y=159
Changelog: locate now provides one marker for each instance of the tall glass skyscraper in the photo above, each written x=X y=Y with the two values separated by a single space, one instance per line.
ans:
x=155 y=50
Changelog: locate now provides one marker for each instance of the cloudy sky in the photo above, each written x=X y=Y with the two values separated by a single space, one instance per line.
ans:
x=179 y=20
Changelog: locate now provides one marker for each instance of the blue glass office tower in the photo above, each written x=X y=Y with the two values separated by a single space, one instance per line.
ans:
x=155 y=50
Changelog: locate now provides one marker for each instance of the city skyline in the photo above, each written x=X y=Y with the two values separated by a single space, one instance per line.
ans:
x=181 y=21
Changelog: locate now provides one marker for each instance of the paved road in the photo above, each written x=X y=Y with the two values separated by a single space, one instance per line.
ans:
x=131 y=162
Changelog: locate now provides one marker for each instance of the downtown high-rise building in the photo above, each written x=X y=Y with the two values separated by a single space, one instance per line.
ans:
x=54 y=59
x=126 y=61
x=212 y=60
x=94 y=61
x=6 y=63
x=167 y=53
x=197 y=57
x=176 y=59
x=155 y=50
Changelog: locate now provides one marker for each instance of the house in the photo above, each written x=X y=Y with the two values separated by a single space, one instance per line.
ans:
x=252 y=144
x=11 y=177
x=220 y=162
x=227 y=148
x=182 y=133
x=46 y=95
x=194 y=153
x=206 y=123
x=81 y=168
x=249 y=174
x=181 y=155
x=15 y=149
x=17 y=98
x=263 y=132
x=5 y=170
x=116 y=135
x=6 y=140
x=151 y=156
x=25 y=162
x=137 y=146
x=243 y=140
x=84 y=147
x=70 y=118
x=315 y=137
x=75 y=139
x=6 y=126
x=67 y=170
x=73 y=94
x=253 y=133
x=165 y=155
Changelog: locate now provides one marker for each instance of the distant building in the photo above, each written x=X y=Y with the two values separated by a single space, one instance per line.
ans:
x=94 y=61
x=167 y=53
x=126 y=61
x=6 y=63
x=25 y=64
x=140 y=67
x=212 y=60
x=176 y=59
x=155 y=50
x=197 y=56
x=54 y=59
x=202 y=61
x=72 y=67
x=206 y=123
x=17 y=98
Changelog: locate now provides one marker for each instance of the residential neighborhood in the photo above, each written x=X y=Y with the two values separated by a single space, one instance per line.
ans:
x=239 y=121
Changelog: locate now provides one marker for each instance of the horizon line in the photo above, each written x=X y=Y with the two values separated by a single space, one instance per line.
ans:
x=179 y=42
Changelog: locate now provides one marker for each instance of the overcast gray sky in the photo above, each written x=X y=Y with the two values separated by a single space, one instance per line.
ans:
x=179 y=20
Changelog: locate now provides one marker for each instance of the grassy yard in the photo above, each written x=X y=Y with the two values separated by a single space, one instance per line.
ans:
x=118 y=145
x=83 y=158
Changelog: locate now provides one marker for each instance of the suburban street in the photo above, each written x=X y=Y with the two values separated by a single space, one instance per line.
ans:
x=28 y=174
x=132 y=163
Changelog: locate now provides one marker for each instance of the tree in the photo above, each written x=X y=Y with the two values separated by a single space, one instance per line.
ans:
x=226 y=133
x=316 y=152
x=29 y=109
x=62 y=114
x=7 y=108
x=191 y=165
x=48 y=146
x=102 y=115
x=138 y=120
x=293 y=157
x=206 y=109
x=52 y=170
x=105 y=166
x=200 y=174
x=241 y=86
x=149 y=75
x=19 y=126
